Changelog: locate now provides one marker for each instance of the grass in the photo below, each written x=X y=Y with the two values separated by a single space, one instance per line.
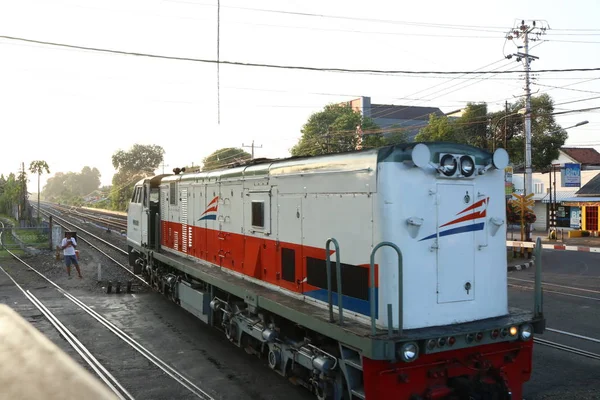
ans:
x=33 y=237
x=4 y=255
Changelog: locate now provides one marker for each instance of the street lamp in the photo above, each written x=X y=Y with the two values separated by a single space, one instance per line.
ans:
x=578 y=124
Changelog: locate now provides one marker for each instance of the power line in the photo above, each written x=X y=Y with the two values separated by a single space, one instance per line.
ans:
x=568 y=88
x=573 y=34
x=480 y=28
x=312 y=28
x=578 y=100
x=571 y=41
x=576 y=111
x=427 y=97
x=288 y=67
x=576 y=30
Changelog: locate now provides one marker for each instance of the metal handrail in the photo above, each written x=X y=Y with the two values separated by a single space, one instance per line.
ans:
x=338 y=270
x=157 y=232
x=372 y=290
x=538 y=304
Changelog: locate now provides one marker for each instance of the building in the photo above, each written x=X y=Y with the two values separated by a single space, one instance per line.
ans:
x=587 y=199
x=389 y=116
x=575 y=206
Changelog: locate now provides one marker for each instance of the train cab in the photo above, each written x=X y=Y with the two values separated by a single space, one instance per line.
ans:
x=144 y=209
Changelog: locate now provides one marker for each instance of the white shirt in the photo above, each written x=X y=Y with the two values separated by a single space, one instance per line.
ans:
x=68 y=251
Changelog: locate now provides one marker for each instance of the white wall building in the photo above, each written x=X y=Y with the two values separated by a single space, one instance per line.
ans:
x=566 y=216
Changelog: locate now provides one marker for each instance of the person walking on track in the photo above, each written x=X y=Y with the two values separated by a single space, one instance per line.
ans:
x=68 y=246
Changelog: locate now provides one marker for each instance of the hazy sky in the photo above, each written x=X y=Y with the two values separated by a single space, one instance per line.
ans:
x=74 y=107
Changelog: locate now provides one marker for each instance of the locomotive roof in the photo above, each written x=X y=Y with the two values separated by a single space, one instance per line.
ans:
x=354 y=160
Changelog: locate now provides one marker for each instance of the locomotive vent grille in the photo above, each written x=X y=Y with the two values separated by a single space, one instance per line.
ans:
x=163 y=206
x=184 y=219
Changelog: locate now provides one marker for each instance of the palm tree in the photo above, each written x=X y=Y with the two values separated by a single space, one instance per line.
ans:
x=38 y=167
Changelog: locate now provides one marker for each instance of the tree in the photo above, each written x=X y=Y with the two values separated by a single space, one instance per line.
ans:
x=88 y=180
x=55 y=189
x=395 y=135
x=440 y=129
x=224 y=157
x=137 y=163
x=10 y=194
x=334 y=130
x=142 y=159
x=72 y=187
x=38 y=167
x=473 y=125
x=547 y=137
x=23 y=203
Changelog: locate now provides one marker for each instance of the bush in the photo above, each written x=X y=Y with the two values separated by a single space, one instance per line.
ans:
x=585 y=233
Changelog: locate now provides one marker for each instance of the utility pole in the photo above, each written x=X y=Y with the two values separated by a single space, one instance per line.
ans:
x=253 y=146
x=163 y=165
x=527 y=33
x=529 y=188
x=23 y=206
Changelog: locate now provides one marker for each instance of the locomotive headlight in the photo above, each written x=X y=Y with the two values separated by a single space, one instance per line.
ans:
x=513 y=331
x=409 y=352
x=448 y=165
x=467 y=166
x=526 y=332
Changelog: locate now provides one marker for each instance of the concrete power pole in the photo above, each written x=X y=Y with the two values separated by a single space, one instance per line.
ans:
x=527 y=33
x=528 y=173
x=253 y=146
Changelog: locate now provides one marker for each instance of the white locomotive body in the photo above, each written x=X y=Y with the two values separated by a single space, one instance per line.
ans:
x=271 y=224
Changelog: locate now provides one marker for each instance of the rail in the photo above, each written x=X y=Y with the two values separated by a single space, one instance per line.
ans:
x=338 y=271
x=372 y=296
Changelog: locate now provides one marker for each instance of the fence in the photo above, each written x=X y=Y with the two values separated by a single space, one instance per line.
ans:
x=26 y=239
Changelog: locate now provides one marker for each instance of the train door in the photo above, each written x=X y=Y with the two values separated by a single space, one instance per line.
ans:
x=290 y=265
x=135 y=216
x=152 y=210
x=259 y=249
x=145 y=215
x=175 y=214
x=164 y=216
x=209 y=215
x=198 y=235
x=231 y=219
x=459 y=218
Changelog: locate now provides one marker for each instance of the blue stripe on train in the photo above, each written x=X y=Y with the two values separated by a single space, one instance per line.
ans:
x=348 y=302
x=453 y=231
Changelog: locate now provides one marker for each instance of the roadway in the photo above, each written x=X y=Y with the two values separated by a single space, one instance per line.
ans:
x=571 y=304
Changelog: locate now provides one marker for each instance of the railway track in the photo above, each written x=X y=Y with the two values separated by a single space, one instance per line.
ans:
x=585 y=293
x=568 y=349
x=102 y=218
x=125 y=341
x=555 y=288
x=101 y=245
x=570 y=291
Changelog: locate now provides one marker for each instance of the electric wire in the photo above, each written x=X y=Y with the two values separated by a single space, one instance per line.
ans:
x=286 y=67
